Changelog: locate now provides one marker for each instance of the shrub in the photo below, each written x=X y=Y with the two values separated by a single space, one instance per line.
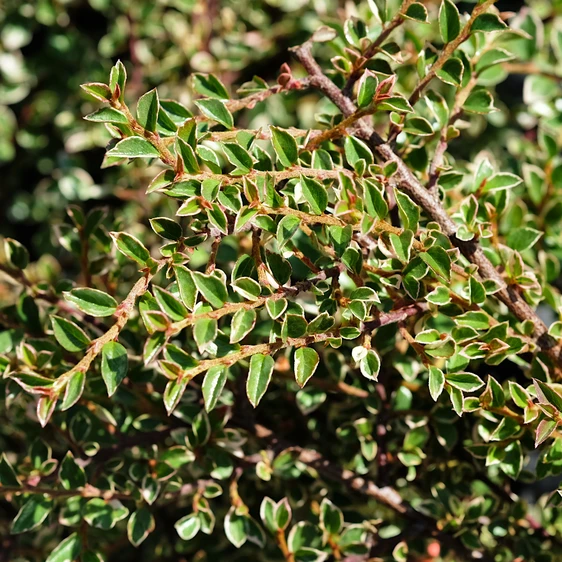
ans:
x=326 y=343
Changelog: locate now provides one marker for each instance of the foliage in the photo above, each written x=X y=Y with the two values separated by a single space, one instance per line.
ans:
x=311 y=339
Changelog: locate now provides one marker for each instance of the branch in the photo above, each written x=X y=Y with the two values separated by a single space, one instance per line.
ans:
x=432 y=206
x=123 y=314
x=231 y=308
x=86 y=492
x=293 y=172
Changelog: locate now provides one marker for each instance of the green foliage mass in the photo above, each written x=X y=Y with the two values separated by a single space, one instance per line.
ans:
x=317 y=317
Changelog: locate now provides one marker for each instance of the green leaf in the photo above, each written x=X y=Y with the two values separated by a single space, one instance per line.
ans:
x=408 y=210
x=436 y=382
x=513 y=460
x=544 y=430
x=169 y=304
x=188 y=156
x=67 y=550
x=217 y=111
x=353 y=260
x=92 y=301
x=523 y=238
x=235 y=528
x=69 y=335
x=356 y=151
x=166 y=228
x=367 y=88
x=340 y=237
x=456 y=399
x=133 y=147
x=140 y=525
x=205 y=332
x=306 y=361
x=418 y=126
x=259 y=377
x=242 y=324
x=212 y=288
x=370 y=365
x=503 y=180
x=71 y=474
x=147 y=110
x=186 y=286
x=217 y=218
x=449 y=21
x=213 y=384
x=285 y=146
x=74 y=389
x=104 y=514
x=402 y=244
x=286 y=229
x=188 y=527
x=491 y=58
x=479 y=101
x=395 y=103
x=283 y=514
x=315 y=194
x=555 y=329
x=519 y=395
x=238 y=156
x=276 y=308
x=210 y=86
x=118 y=79
x=33 y=512
x=488 y=22
x=244 y=217
x=131 y=247
x=114 y=365
x=373 y=196
x=16 y=253
x=438 y=260
x=107 y=115
x=547 y=395
x=417 y=12
x=464 y=381
x=8 y=476
x=173 y=392
x=331 y=517
x=451 y=72
x=97 y=90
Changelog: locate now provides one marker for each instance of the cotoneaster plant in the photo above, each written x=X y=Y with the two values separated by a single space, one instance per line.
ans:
x=330 y=343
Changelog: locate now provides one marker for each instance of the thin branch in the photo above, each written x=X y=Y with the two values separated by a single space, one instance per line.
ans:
x=231 y=308
x=85 y=492
x=293 y=172
x=122 y=314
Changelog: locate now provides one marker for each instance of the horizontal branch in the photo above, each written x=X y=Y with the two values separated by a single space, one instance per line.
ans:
x=277 y=175
x=231 y=308
x=86 y=492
